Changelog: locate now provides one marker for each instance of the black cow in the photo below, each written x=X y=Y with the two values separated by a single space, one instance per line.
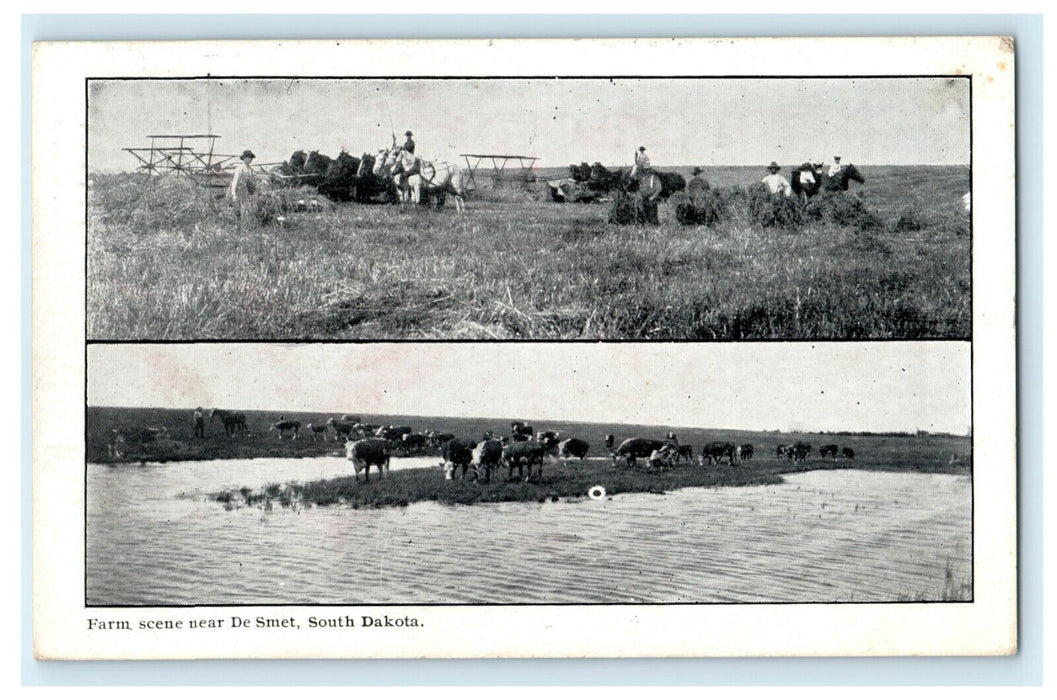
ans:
x=610 y=441
x=438 y=439
x=413 y=442
x=521 y=428
x=364 y=453
x=458 y=452
x=747 y=451
x=782 y=451
x=828 y=451
x=848 y=453
x=637 y=448
x=573 y=447
x=684 y=452
x=522 y=454
x=713 y=452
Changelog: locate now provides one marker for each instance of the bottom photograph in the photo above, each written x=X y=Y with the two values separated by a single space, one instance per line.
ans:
x=528 y=474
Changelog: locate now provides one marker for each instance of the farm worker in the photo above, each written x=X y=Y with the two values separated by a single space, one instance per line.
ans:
x=242 y=183
x=835 y=168
x=776 y=184
x=409 y=144
x=697 y=184
x=642 y=161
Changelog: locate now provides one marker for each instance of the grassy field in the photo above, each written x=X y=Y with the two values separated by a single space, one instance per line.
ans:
x=167 y=261
x=917 y=453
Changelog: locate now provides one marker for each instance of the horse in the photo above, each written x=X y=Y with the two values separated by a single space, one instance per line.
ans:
x=316 y=166
x=234 y=421
x=806 y=181
x=840 y=181
x=438 y=177
x=653 y=184
x=339 y=179
x=385 y=169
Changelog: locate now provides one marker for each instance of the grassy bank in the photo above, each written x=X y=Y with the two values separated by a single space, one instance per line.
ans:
x=167 y=262
x=559 y=481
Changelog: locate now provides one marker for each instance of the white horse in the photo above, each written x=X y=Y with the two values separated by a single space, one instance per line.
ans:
x=430 y=177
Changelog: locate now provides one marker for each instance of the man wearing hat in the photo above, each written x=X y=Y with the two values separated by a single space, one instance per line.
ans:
x=776 y=184
x=835 y=168
x=642 y=161
x=409 y=145
x=697 y=184
x=242 y=183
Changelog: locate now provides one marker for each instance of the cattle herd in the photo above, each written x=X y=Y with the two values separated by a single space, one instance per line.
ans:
x=523 y=448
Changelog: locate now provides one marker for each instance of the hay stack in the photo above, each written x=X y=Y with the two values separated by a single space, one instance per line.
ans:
x=772 y=211
x=843 y=210
x=630 y=209
x=704 y=208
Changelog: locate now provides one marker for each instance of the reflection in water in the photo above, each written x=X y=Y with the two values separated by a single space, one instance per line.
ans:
x=154 y=538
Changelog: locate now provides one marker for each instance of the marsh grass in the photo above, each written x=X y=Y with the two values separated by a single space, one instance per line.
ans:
x=166 y=260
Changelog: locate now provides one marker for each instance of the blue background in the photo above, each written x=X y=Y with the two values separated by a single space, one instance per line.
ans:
x=1022 y=669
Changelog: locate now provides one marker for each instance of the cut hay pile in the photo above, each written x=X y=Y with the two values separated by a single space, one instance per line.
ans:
x=770 y=211
x=705 y=208
x=843 y=210
x=274 y=205
x=630 y=209
x=946 y=219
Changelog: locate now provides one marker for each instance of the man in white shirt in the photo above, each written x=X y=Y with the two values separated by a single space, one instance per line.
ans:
x=835 y=168
x=642 y=161
x=776 y=184
x=242 y=183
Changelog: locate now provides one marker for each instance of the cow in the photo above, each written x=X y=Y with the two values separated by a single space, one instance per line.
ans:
x=234 y=421
x=283 y=425
x=610 y=441
x=413 y=442
x=782 y=451
x=520 y=437
x=350 y=419
x=664 y=457
x=684 y=452
x=486 y=456
x=548 y=439
x=341 y=428
x=747 y=451
x=199 y=421
x=122 y=438
x=799 y=451
x=714 y=452
x=438 y=439
x=522 y=454
x=848 y=453
x=520 y=428
x=828 y=451
x=317 y=431
x=364 y=453
x=393 y=432
x=573 y=447
x=636 y=448
x=458 y=452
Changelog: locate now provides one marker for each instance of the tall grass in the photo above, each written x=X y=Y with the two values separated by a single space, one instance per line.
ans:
x=168 y=261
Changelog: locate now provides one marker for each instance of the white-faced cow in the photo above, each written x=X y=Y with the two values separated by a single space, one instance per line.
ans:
x=799 y=451
x=636 y=448
x=486 y=456
x=548 y=439
x=284 y=425
x=342 y=429
x=458 y=452
x=782 y=451
x=365 y=453
x=317 y=431
x=573 y=447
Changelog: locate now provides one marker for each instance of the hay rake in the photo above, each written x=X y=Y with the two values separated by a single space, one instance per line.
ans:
x=193 y=155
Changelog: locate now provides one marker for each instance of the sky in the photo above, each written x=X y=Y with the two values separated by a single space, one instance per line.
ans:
x=889 y=386
x=702 y=121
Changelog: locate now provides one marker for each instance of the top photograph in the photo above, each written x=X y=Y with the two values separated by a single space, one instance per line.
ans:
x=529 y=208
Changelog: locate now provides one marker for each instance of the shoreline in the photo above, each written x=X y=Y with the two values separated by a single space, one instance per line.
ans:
x=561 y=481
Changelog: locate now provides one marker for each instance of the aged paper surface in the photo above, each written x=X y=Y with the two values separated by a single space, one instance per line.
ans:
x=172 y=559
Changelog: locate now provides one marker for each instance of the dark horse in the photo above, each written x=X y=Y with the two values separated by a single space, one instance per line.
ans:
x=806 y=181
x=234 y=422
x=655 y=184
x=839 y=182
x=340 y=178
